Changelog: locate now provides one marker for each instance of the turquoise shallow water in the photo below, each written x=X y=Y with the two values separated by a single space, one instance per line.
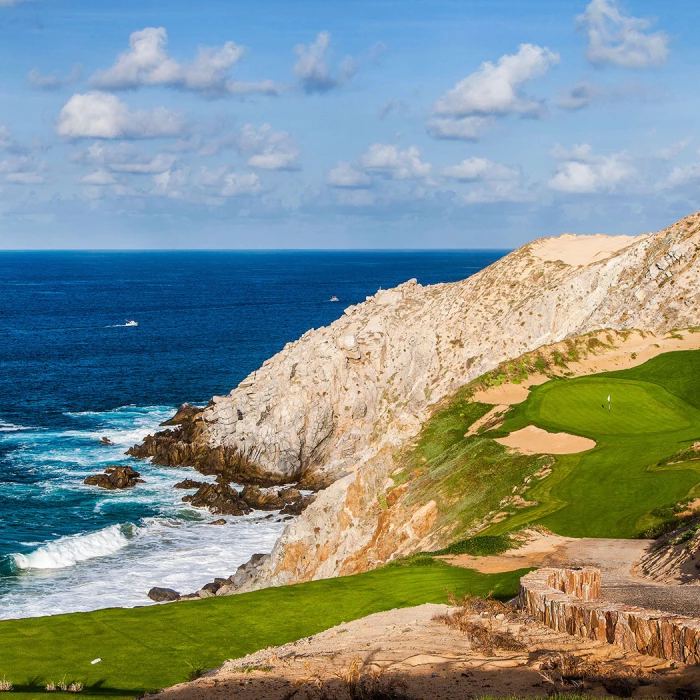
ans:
x=71 y=372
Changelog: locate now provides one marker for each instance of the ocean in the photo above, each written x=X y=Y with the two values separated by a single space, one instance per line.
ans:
x=72 y=371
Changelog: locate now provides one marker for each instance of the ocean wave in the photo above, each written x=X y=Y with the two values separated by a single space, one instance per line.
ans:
x=71 y=549
x=6 y=427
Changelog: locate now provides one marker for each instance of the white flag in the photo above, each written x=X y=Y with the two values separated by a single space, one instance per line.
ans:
x=608 y=398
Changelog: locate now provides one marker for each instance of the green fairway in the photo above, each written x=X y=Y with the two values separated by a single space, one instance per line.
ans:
x=154 y=647
x=618 y=488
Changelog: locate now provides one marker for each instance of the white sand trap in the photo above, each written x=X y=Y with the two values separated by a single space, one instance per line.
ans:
x=506 y=394
x=580 y=250
x=535 y=441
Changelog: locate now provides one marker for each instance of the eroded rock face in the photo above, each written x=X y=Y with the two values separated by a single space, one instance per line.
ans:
x=115 y=478
x=220 y=499
x=332 y=408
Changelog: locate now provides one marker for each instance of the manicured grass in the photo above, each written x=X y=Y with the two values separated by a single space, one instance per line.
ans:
x=149 y=648
x=618 y=488
x=480 y=546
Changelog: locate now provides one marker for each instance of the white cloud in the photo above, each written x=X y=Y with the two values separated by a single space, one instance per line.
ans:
x=386 y=159
x=312 y=68
x=473 y=169
x=146 y=62
x=23 y=170
x=53 y=81
x=268 y=149
x=104 y=116
x=675 y=149
x=157 y=164
x=345 y=175
x=621 y=40
x=227 y=183
x=496 y=89
x=495 y=192
x=582 y=172
x=169 y=183
x=99 y=178
x=579 y=96
x=465 y=129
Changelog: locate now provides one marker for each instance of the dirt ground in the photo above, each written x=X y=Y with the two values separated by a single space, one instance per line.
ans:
x=580 y=250
x=426 y=659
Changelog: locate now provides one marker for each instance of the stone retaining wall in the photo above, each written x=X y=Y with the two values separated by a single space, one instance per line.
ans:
x=568 y=600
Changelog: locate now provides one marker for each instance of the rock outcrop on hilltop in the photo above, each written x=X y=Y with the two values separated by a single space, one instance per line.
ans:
x=331 y=409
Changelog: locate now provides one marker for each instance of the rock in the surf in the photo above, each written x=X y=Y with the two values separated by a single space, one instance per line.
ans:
x=262 y=499
x=220 y=499
x=115 y=478
x=163 y=595
x=189 y=484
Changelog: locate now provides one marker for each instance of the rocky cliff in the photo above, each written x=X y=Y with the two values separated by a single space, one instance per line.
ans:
x=332 y=409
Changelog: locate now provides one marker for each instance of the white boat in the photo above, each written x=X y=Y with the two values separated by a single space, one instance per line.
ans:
x=131 y=323
x=334 y=298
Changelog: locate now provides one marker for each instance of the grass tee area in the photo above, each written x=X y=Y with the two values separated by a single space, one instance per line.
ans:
x=145 y=649
x=640 y=466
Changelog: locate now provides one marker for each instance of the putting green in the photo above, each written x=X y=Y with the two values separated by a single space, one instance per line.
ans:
x=611 y=490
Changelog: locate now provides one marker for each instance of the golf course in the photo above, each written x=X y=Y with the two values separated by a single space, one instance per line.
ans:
x=627 y=485
x=146 y=649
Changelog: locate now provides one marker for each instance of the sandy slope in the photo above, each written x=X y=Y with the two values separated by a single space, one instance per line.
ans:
x=431 y=659
x=534 y=441
x=581 y=250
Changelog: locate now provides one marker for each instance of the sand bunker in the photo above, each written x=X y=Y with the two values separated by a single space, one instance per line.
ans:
x=535 y=441
x=507 y=394
x=580 y=250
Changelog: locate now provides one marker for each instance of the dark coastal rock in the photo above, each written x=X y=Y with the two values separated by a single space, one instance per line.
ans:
x=220 y=499
x=212 y=587
x=290 y=495
x=258 y=499
x=105 y=441
x=188 y=484
x=220 y=521
x=315 y=481
x=297 y=507
x=186 y=412
x=115 y=478
x=163 y=595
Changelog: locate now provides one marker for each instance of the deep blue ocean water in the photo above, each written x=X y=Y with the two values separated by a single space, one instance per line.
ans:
x=71 y=371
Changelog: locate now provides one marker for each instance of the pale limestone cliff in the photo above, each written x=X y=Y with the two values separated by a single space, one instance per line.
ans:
x=338 y=403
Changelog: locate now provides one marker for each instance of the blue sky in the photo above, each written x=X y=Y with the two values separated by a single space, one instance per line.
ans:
x=345 y=124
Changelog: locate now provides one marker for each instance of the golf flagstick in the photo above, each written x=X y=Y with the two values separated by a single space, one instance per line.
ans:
x=608 y=403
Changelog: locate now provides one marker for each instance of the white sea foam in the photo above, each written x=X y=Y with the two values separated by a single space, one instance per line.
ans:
x=6 y=427
x=69 y=550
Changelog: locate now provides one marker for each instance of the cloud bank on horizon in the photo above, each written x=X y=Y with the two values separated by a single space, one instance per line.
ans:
x=478 y=128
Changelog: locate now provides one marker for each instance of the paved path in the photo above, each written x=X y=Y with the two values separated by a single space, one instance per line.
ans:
x=615 y=558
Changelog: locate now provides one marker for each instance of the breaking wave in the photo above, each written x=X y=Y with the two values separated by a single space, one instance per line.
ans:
x=69 y=550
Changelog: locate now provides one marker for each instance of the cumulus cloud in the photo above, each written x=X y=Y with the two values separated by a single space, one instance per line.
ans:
x=465 y=129
x=582 y=172
x=312 y=68
x=169 y=183
x=578 y=97
x=621 y=40
x=98 y=178
x=23 y=170
x=227 y=183
x=674 y=150
x=146 y=62
x=145 y=166
x=473 y=169
x=268 y=149
x=53 y=81
x=345 y=175
x=496 y=89
x=389 y=161
x=104 y=116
